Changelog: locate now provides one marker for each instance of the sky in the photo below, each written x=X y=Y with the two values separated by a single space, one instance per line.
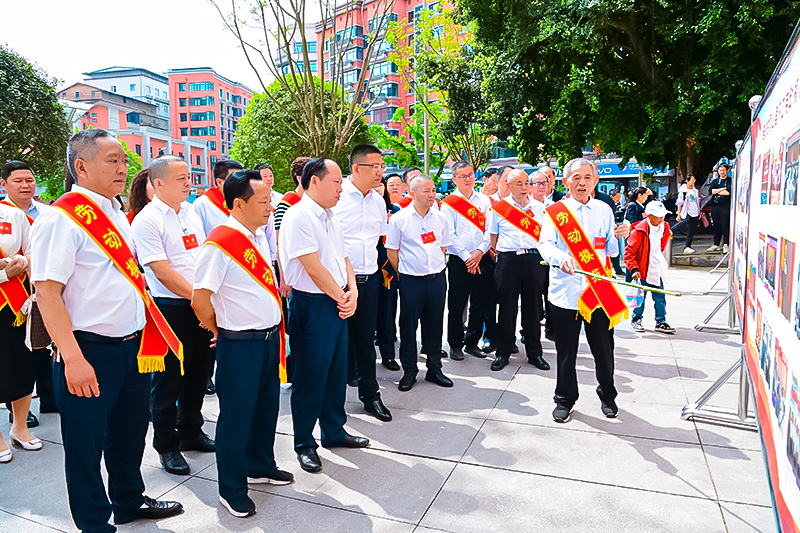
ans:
x=67 y=39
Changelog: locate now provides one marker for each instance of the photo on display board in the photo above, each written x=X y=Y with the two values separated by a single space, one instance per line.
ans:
x=786 y=278
x=762 y=255
x=790 y=169
x=776 y=176
x=770 y=271
x=751 y=289
x=743 y=171
x=759 y=327
x=793 y=431
x=766 y=350
x=797 y=305
x=778 y=382
x=766 y=159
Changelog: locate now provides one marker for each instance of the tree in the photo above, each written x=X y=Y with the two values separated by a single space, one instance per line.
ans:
x=267 y=31
x=35 y=128
x=664 y=82
x=262 y=135
x=435 y=53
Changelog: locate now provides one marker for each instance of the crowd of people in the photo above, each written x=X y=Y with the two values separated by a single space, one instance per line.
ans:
x=256 y=288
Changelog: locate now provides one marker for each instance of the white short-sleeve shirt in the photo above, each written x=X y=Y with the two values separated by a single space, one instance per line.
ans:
x=406 y=231
x=466 y=237
x=240 y=302
x=211 y=215
x=509 y=237
x=307 y=228
x=363 y=220
x=159 y=235
x=98 y=297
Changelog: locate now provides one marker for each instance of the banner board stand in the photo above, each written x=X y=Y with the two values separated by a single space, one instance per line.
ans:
x=742 y=417
x=731 y=327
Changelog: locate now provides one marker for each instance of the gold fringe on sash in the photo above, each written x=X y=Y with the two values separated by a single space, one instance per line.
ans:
x=151 y=364
x=21 y=317
x=613 y=321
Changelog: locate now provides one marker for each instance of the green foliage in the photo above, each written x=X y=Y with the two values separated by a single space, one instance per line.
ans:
x=406 y=152
x=263 y=135
x=665 y=82
x=34 y=126
x=134 y=164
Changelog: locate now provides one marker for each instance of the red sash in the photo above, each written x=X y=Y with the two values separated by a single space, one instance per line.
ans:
x=599 y=292
x=405 y=201
x=9 y=203
x=13 y=293
x=238 y=247
x=291 y=198
x=518 y=218
x=217 y=199
x=464 y=207
x=158 y=337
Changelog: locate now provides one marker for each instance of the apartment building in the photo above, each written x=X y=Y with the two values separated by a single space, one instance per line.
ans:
x=138 y=83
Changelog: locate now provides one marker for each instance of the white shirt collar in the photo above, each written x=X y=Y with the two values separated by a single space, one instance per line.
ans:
x=317 y=209
x=468 y=198
x=159 y=204
x=518 y=206
x=235 y=224
x=575 y=204
x=99 y=199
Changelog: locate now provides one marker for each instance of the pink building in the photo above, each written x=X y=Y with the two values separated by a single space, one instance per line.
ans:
x=206 y=106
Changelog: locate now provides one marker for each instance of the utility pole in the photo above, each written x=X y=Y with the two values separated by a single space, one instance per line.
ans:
x=427 y=141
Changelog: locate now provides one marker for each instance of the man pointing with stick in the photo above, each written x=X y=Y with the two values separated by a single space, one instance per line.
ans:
x=578 y=233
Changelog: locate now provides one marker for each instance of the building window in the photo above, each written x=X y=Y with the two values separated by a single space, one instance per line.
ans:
x=184 y=132
x=180 y=154
x=205 y=100
x=139 y=150
x=237 y=112
x=182 y=87
x=312 y=65
x=77 y=94
x=311 y=46
x=208 y=115
x=204 y=132
x=212 y=145
x=202 y=86
x=373 y=23
x=220 y=93
x=197 y=160
x=113 y=88
x=285 y=69
x=148 y=89
x=298 y=48
x=352 y=76
x=183 y=117
x=393 y=133
x=228 y=109
x=384 y=68
x=93 y=94
x=389 y=90
x=227 y=95
x=354 y=54
x=213 y=160
x=133 y=118
x=381 y=116
x=133 y=86
x=182 y=102
x=94 y=121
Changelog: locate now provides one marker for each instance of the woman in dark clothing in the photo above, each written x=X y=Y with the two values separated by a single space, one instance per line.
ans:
x=720 y=189
x=386 y=333
x=636 y=200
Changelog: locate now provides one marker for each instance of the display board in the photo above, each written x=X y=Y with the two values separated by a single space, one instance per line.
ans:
x=765 y=275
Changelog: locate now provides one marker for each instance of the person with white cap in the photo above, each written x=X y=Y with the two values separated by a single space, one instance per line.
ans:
x=645 y=259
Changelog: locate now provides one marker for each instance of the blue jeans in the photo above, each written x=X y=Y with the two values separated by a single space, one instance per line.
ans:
x=659 y=300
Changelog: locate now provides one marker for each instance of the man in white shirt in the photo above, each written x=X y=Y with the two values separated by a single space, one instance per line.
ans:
x=597 y=221
x=95 y=316
x=324 y=295
x=468 y=263
x=168 y=235
x=552 y=194
x=211 y=206
x=361 y=213
x=514 y=225
x=237 y=300
x=268 y=177
x=416 y=244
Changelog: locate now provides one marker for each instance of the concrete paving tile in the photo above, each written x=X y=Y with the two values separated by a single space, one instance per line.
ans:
x=623 y=461
x=726 y=397
x=748 y=518
x=197 y=460
x=423 y=433
x=739 y=475
x=482 y=499
x=700 y=369
x=716 y=346
x=49 y=429
x=731 y=437
x=10 y=522
x=204 y=514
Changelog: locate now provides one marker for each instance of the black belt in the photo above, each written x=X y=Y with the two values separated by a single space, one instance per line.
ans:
x=363 y=278
x=426 y=276
x=102 y=339
x=172 y=302
x=523 y=251
x=248 y=334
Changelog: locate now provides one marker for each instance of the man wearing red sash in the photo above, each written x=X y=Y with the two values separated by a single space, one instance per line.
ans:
x=469 y=266
x=168 y=235
x=289 y=199
x=211 y=206
x=18 y=180
x=514 y=226
x=579 y=232
x=235 y=297
x=95 y=314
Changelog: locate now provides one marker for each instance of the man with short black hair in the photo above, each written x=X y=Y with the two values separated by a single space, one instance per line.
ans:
x=324 y=295
x=211 y=206
x=268 y=177
x=552 y=194
x=408 y=175
x=490 y=183
x=168 y=235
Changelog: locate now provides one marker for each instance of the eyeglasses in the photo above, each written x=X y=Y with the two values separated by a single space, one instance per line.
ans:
x=538 y=183
x=377 y=166
x=464 y=176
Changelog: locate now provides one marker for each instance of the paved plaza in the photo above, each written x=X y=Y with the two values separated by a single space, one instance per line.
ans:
x=484 y=455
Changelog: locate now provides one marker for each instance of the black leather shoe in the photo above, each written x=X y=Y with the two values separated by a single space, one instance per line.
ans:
x=352 y=382
x=391 y=364
x=489 y=347
x=309 y=460
x=456 y=355
x=351 y=441
x=406 y=382
x=499 y=362
x=174 y=463
x=378 y=410
x=539 y=362
x=210 y=388
x=439 y=378
x=474 y=351
x=201 y=443
x=153 y=509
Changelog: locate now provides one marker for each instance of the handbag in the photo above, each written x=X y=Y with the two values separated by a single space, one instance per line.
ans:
x=704 y=219
x=37 y=336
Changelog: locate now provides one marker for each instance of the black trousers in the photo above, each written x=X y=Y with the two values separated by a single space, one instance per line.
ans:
x=721 y=215
x=360 y=334
x=519 y=276
x=318 y=338
x=466 y=287
x=549 y=321
x=422 y=300
x=387 y=318
x=601 y=342
x=112 y=425
x=44 y=378
x=490 y=304
x=176 y=401
x=249 y=397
